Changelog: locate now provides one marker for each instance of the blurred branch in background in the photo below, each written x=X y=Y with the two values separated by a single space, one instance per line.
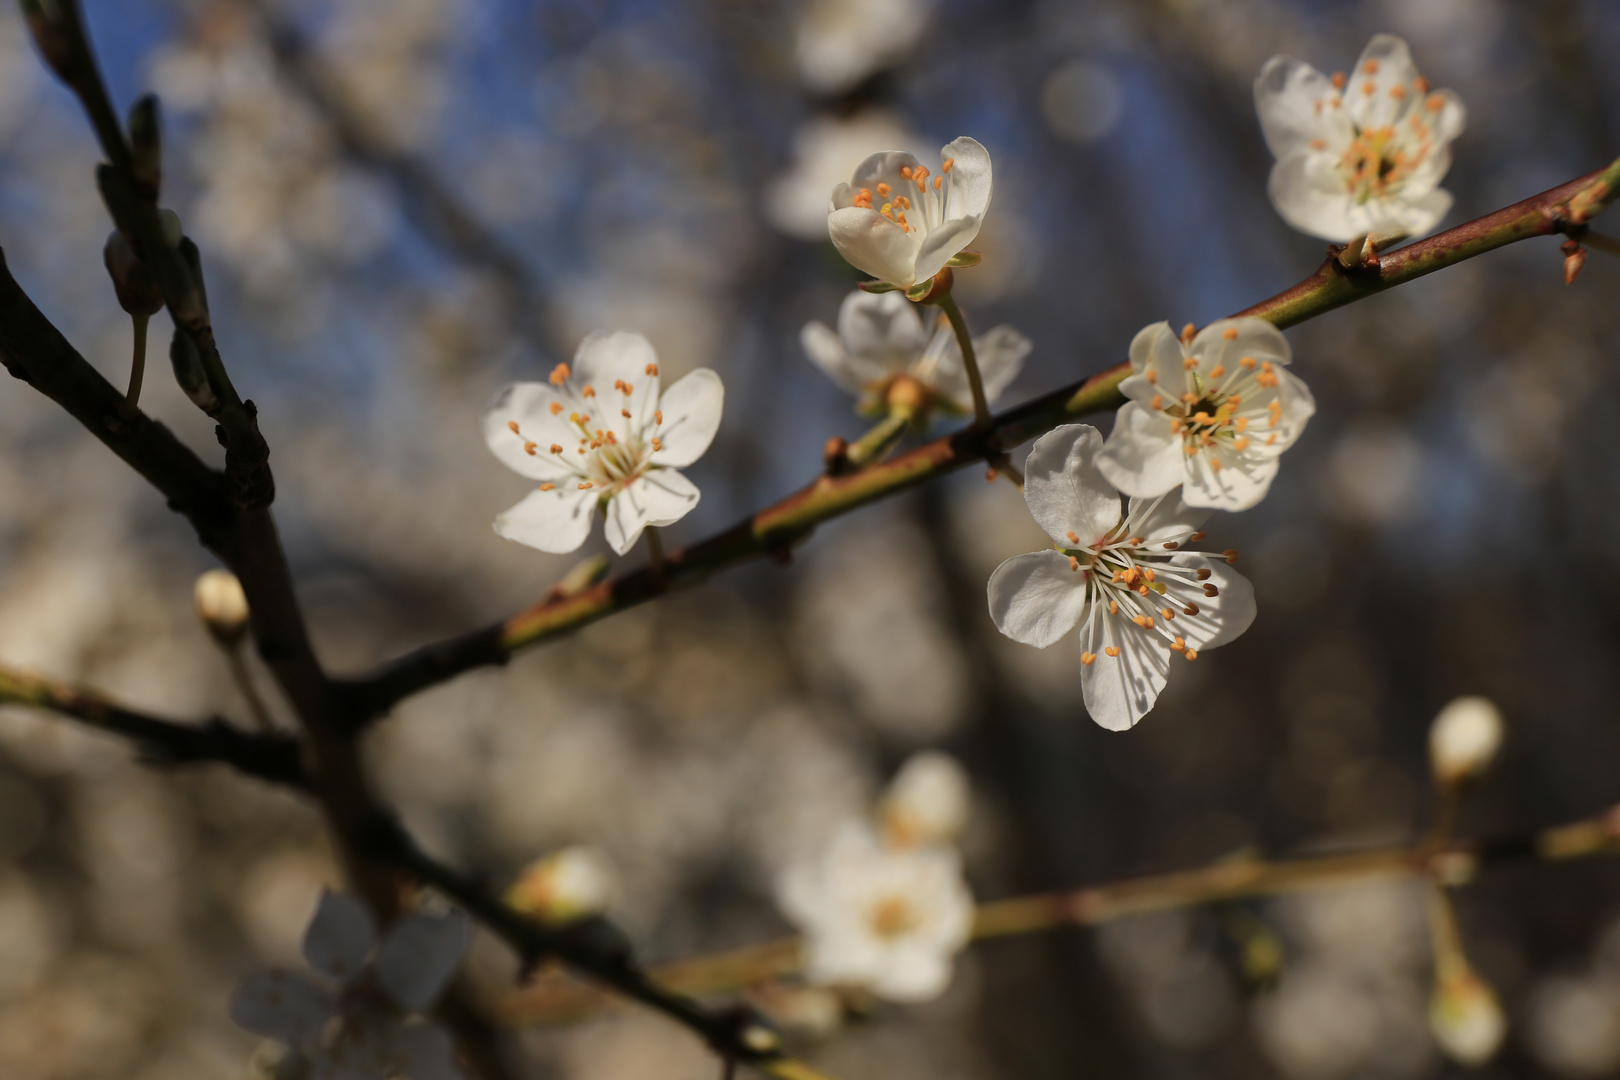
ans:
x=776 y=529
x=433 y=207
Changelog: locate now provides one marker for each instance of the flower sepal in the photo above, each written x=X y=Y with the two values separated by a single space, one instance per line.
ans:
x=964 y=258
x=928 y=292
x=877 y=287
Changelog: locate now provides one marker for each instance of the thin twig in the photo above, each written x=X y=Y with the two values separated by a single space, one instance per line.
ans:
x=137 y=364
x=793 y=519
x=250 y=693
x=1455 y=863
x=876 y=443
x=970 y=362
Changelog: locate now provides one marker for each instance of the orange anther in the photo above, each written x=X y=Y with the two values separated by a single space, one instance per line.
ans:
x=1168 y=613
x=559 y=374
x=1148 y=574
x=556 y=448
x=1144 y=621
x=513 y=424
x=1143 y=589
x=1188 y=332
x=1234 y=400
x=547 y=487
x=586 y=486
x=1074 y=537
x=938 y=180
x=1248 y=362
x=1338 y=80
x=946 y=167
x=1370 y=67
x=625 y=413
x=1435 y=103
x=1088 y=658
x=1209 y=590
x=589 y=391
x=1231 y=555
x=1271 y=440
x=1229 y=334
x=657 y=443
x=1240 y=443
x=1318 y=144
x=1191 y=654
x=1190 y=362
x=1135 y=541
x=884 y=189
x=1190 y=609
x=556 y=408
x=1074 y=563
x=1151 y=376
x=1368 y=87
x=1179 y=644
x=905 y=171
x=1190 y=398
x=1112 y=650
x=1157 y=402
x=1397 y=91
x=1113 y=607
x=1171 y=545
x=658 y=416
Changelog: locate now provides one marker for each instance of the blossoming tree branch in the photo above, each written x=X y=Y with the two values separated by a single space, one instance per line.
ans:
x=1134 y=571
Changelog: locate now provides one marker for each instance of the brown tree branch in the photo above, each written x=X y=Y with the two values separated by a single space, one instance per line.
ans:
x=790 y=521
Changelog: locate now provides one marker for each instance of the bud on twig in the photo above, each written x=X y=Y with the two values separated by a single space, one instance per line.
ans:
x=1463 y=739
x=222 y=606
x=132 y=280
x=1574 y=259
x=146 y=147
x=1465 y=1018
x=565 y=886
x=51 y=36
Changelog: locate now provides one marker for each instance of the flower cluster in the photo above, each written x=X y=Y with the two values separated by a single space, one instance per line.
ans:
x=885 y=909
x=355 y=1022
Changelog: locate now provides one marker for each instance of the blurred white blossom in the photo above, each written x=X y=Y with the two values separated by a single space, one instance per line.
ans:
x=359 y=1028
x=882 y=339
x=927 y=802
x=1359 y=154
x=841 y=42
x=1213 y=414
x=1466 y=1019
x=1574 y=1025
x=888 y=919
x=899 y=222
x=1121 y=577
x=613 y=444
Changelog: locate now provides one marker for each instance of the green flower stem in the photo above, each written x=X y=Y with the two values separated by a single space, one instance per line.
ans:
x=970 y=363
x=876 y=443
x=790 y=521
x=137 y=365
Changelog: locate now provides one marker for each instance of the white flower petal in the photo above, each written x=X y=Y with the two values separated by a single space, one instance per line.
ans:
x=1120 y=690
x=528 y=405
x=1037 y=598
x=1159 y=519
x=1142 y=457
x=1307 y=191
x=882 y=326
x=882 y=168
x=1367 y=98
x=419 y=955
x=426 y=1052
x=969 y=178
x=873 y=244
x=282 y=1005
x=657 y=497
x=1241 y=482
x=1064 y=490
x=1157 y=349
x=340 y=937
x=1287 y=96
x=914 y=976
x=942 y=243
x=691 y=409
x=557 y=521
x=605 y=359
x=1220 y=618
x=1001 y=354
x=1253 y=337
x=827 y=352
x=1412 y=218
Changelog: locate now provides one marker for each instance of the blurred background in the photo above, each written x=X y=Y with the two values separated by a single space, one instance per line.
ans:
x=403 y=204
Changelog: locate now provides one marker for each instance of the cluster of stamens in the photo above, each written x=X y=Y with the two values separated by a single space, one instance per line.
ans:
x=609 y=462
x=931 y=200
x=1211 y=411
x=1127 y=578
x=1379 y=159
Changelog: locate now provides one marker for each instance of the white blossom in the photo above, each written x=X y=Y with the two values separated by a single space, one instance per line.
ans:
x=1359 y=154
x=1464 y=737
x=599 y=436
x=927 y=801
x=900 y=222
x=841 y=42
x=1123 y=578
x=881 y=337
x=354 y=1022
x=1213 y=414
x=888 y=919
x=221 y=605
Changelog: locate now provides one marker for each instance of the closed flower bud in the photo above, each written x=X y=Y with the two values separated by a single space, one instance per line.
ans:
x=221 y=605
x=136 y=288
x=565 y=886
x=1464 y=739
x=1466 y=1018
x=927 y=802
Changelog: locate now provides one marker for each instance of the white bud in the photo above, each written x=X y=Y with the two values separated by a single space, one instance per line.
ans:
x=222 y=605
x=565 y=886
x=1464 y=739
x=927 y=801
x=1466 y=1019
